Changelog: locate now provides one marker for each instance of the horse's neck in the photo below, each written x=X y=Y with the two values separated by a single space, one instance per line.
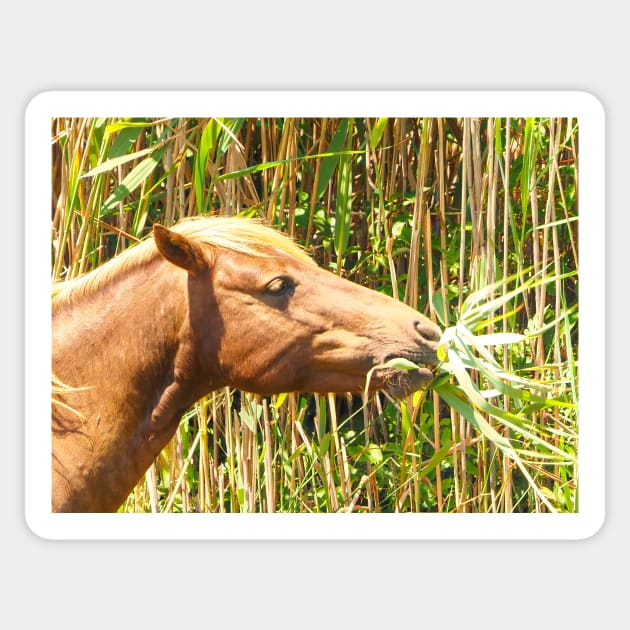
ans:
x=120 y=344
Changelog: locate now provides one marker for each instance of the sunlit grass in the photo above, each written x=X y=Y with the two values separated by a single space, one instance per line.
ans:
x=431 y=211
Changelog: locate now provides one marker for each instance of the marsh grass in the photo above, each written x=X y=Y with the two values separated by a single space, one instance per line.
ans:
x=471 y=221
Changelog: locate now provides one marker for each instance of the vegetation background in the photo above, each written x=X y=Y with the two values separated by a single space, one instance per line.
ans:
x=426 y=210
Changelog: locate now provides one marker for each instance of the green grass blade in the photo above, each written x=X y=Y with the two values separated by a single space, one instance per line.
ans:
x=330 y=161
x=377 y=132
x=133 y=179
x=109 y=165
x=207 y=144
x=343 y=209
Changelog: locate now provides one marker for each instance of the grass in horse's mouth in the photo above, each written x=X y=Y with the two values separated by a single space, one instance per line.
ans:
x=395 y=364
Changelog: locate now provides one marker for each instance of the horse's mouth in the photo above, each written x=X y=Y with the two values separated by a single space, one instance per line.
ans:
x=400 y=383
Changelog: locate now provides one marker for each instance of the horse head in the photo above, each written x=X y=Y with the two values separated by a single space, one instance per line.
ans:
x=264 y=318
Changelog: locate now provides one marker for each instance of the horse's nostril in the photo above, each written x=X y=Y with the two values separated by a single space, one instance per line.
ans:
x=428 y=330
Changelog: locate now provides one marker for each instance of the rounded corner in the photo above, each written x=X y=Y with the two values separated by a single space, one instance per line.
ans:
x=38 y=102
x=592 y=102
x=34 y=526
x=593 y=527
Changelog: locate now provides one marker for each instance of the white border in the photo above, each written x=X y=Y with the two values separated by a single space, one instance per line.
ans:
x=583 y=524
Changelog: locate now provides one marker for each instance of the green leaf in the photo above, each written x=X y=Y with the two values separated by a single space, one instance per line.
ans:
x=124 y=141
x=374 y=454
x=257 y=168
x=529 y=157
x=324 y=443
x=280 y=400
x=405 y=424
x=441 y=309
x=250 y=413
x=228 y=135
x=330 y=162
x=133 y=179
x=435 y=459
x=377 y=132
x=399 y=363
x=449 y=394
x=247 y=419
x=343 y=208
x=322 y=416
x=109 y=165
x=127 y=124
x=207 y=143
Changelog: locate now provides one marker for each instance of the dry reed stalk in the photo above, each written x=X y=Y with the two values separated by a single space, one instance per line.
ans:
x=508 y=506
x=269 y=474
x=204 y=493
x=246 y=469
x=340 y=456
x=491 y=177
x=411 y=290
x=151 y=485
x=178 y=483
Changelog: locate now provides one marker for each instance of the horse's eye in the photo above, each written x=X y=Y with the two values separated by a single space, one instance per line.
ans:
x=279 y=286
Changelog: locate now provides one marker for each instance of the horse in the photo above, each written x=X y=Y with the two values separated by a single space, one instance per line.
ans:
x=208 y=303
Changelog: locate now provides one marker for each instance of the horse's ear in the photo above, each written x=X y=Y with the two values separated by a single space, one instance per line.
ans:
x=179 y=250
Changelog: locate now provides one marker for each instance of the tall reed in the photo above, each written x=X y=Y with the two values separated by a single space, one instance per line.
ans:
x=428 y=211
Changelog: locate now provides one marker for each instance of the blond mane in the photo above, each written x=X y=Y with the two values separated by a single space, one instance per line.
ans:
x=246 y=236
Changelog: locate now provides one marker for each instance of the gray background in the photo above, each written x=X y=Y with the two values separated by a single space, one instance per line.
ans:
x=333 y=45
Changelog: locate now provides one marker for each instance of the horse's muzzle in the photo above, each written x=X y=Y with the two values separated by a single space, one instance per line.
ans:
x=400 y=383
